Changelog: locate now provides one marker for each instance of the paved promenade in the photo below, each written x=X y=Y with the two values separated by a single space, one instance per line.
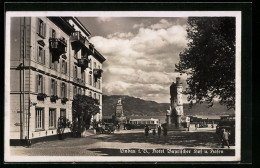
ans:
x=96 y=145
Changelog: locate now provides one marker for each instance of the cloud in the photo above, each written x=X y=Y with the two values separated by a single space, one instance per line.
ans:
x=121 y=35
x=163 y=23
x=142 y=64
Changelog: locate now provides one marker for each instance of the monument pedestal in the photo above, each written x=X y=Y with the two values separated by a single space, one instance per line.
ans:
x=174 y=128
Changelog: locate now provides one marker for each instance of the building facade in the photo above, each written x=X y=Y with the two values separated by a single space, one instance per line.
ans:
x=51 y=60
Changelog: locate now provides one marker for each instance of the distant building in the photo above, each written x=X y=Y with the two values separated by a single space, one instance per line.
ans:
x=227 y=117
x=144 y=121
x=51 y=60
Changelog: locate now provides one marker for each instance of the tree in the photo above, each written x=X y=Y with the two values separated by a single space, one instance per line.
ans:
x=209 y=60
x=83 y=108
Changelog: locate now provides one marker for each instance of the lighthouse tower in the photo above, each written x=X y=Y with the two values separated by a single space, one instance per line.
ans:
x=174 y=117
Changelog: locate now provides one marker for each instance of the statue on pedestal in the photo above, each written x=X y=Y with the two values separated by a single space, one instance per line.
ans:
x=176 y=108
x=119 y=117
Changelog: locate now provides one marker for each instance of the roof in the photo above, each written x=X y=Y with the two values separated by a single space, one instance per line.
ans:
x=83 y=28
x=99 y=56
x=207 y=116
x=146 y=119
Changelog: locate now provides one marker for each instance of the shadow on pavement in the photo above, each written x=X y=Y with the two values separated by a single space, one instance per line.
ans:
x=187 y=139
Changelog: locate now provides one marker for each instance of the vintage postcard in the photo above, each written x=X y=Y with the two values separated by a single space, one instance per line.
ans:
x=132 y=86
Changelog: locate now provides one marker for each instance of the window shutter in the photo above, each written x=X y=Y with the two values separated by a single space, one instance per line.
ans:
x=43 y=84
x=37 y=25
x=55 y=88
x=50 y=59
x=37 y=55
x=36 y=83
x=66 y=67
x=50 y=88
x=44 y=29
x=50 y=32
x=44 y=57
x=61 y=84
x=61 y=66
x=65 y=90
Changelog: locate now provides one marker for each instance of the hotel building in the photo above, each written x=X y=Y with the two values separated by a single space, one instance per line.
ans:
x=51 y=60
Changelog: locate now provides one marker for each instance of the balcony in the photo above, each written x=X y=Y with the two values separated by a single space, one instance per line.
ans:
x=83 y=63
x=77 y=40
x=58 y=46
x=79 y=81
x=97 y=73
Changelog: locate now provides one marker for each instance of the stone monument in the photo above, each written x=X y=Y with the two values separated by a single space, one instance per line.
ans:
x=175 y=114
x=119 y=117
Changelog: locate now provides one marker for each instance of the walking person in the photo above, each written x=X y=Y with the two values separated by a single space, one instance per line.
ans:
x=196 y=126
x=154 y=132
x=225 y=137
x=159 y=131
x=146 y=130
x=165 y=131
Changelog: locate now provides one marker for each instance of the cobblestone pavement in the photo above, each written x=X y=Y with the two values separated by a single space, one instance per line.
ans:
x=203 y=138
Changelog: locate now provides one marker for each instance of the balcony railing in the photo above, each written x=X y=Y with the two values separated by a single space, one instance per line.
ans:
x=83 y=62
x=79 y=81
x=97 y=73
x=77 y=40
x=58 y=46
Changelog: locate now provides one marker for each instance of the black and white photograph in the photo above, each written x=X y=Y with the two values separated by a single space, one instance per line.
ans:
x=108 y=86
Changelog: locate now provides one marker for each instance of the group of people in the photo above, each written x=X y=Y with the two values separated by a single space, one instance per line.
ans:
x=159 y=131
x=203 y=124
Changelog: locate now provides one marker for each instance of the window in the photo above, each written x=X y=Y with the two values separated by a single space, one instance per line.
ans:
x=53 y=87
x=90 y=63
x=53 y=64
x=95 y=65
x=94 y=83
x=98 y=84
x=95 y=96
x=75 y=54
x=75 y=90
x=39 y=122
x=41 y=28
x=83 y=76
x=79 y=91
x=41 y=55
x=64 y=67
x=52 y=118
x=53 y=33
x=75 y=72
x=90 y=79
x=39 y=84
x=84 y=92
x=63 y=90
x=63 y=112
x=90 y=94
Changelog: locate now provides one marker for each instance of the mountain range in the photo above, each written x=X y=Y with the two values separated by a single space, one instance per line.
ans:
x=138 y=107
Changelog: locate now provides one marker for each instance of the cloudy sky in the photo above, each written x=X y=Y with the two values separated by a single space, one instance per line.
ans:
x=141 y=54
